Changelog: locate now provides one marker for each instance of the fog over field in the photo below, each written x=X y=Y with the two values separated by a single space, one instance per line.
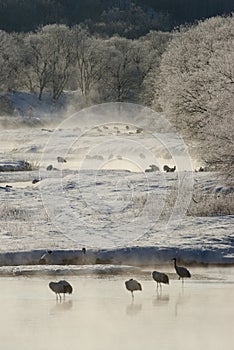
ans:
x=108 y=192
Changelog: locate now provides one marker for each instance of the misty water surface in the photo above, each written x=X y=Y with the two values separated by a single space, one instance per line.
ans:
x=100 y=314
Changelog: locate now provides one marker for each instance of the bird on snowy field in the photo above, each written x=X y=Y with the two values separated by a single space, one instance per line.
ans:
x=181 y=271
x=160 y=277
x=46 y=258
x=61 y=160
x=61 y=287
x=132 y=285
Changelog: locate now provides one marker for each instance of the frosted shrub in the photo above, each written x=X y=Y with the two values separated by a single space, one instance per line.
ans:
x=211 y=204
x=11 y=213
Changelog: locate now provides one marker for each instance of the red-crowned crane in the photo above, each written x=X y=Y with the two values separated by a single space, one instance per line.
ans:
x=181 y=271
x=160 y=278
x=132 y=285
x=61 y=287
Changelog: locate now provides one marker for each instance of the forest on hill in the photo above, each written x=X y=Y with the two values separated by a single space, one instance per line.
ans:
x=109 y=16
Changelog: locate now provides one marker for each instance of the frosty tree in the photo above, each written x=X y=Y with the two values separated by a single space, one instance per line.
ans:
x=126 y=63
x=59 y=47
x=48 y=59
x=87 y=53
x=195 y=88
x=118 y=78
x=10 y=59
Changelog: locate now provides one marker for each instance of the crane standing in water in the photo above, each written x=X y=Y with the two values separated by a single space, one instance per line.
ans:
x=160 y=278
x=61 y=287
x=181 y=271
x=132 y=285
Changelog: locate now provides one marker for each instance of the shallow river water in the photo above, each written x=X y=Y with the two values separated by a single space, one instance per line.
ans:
x=101 y=315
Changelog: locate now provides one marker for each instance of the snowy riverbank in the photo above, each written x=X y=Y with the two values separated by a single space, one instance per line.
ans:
x=102 y=198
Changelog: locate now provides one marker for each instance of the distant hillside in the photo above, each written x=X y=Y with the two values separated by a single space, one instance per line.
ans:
x=27 y=15
x=191 y=10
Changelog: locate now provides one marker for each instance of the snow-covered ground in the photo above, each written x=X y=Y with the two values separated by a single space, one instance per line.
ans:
x=101 y=198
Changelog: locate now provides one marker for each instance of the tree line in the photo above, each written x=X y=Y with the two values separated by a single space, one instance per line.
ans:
x=123 y=17
x=28 y=15
x=57 y=57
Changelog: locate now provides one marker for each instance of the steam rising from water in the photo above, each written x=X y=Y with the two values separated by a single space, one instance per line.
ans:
x=109 y=136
